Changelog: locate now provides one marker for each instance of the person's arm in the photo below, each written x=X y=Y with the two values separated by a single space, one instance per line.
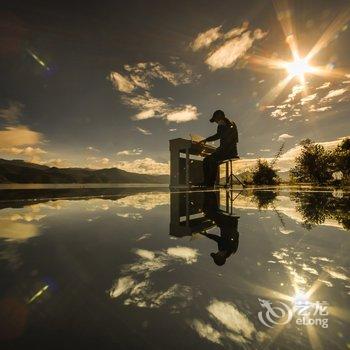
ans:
x=214 y=137
x=212 y=236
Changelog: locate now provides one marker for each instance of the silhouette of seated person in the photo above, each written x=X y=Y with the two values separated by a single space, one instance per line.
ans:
x=228 y=239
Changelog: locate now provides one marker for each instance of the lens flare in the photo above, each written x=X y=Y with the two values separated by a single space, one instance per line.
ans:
x=298 y=67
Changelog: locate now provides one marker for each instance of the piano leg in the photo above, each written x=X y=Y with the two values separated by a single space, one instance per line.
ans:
x=187 y=168
x=174 y=168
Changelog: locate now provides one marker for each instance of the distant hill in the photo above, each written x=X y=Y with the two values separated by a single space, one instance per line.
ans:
x=19 y=171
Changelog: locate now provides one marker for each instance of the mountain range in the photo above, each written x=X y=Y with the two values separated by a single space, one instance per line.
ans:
x=19 y=171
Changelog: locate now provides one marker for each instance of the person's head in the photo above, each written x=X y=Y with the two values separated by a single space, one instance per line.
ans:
x=217 y=116
x=219 y=258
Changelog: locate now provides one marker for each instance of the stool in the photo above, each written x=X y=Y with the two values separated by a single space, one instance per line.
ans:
x=229 y=172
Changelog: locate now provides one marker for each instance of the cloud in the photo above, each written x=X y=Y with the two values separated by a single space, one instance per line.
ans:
x=284 y=137
x=308 y=98
x=57 y=162
x=142 y=74
x=206 y=331
x=131 y=152
x=146 y=114
x=234 y=320
x=206 y=38
x=140 y=78
x=144 y=166
x=144 y=201
x=186 y=114
x=121 y=83
x=19 y=135
x=12 y=113
x=324 y=86
x=188 y=254
x=319 y=109
x=99 y=163
x=227 y=54
x=143 y=131
x=334 y=93
x=92 y=149
x=136 y=285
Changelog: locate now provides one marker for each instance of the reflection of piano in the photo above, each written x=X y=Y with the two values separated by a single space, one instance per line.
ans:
x=188 y=212
x=186 y=170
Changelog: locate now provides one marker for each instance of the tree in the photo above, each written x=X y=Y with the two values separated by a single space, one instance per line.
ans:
x=313 y=164
x=341 y=159
x=264 y=174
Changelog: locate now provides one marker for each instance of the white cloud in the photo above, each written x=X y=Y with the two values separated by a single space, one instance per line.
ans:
x=92 y=149
x=308 y=98
x=206 y=331
x=99 y=163
x=284 y=137
x=334 y=93
x=144 y=166
x=130 y=152
x=140 y=77
x=230 y=51
x=234 y=320
x=319 y=109
x=206 y=38
x=121 y=83
x=146 y=114
x=18 y=136
x=190 y=255
x=143 y=131
x=324 y=86
x=186 y=114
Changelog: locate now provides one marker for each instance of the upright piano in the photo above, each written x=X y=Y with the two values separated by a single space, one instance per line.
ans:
x=186 y=162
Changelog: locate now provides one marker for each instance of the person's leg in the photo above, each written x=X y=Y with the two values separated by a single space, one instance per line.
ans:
x=209 y=170
x=206 y=170
x=213 y=170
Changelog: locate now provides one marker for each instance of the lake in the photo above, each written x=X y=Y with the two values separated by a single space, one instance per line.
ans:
x=136 y=268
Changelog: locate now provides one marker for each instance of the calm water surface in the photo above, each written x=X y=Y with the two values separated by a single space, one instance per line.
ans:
x=143 y=268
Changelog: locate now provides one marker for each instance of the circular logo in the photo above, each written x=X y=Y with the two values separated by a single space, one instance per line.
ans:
x=279 y=314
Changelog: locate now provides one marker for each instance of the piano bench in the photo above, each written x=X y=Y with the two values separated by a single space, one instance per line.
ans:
x=229 y=172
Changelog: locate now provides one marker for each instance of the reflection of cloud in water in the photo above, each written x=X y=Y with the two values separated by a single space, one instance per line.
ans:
x=133 y=216
x=145 y=201
x=16 y=231
x=188 y=254
x=145 y=236
x=305 y=270
x=206 y=331
x=236 y=325
x=336 y=274
x=137 y=286
x=285 y=231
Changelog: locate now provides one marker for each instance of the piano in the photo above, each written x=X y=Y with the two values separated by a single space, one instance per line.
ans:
x=187 y=210
x=186 y=158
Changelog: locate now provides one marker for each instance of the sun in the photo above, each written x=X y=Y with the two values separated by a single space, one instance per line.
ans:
x=298 y=68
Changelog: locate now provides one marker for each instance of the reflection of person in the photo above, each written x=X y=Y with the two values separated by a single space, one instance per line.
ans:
x=229 y=237
x=228 y=135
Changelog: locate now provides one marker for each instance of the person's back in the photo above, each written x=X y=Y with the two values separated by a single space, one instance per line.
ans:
x=228 y=136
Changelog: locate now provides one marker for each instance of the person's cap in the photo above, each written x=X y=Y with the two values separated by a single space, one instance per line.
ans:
x=217 y=115
x=218 y=258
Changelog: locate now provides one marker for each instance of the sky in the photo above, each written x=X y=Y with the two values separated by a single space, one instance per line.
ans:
x=108 y=84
